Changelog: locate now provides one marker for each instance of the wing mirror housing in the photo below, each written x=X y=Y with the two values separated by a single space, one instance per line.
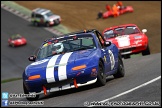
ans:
x=107 y=43
x=144 y=31
x=32 y=58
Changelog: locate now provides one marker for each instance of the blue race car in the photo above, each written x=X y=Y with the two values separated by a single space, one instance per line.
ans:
x=70 y=61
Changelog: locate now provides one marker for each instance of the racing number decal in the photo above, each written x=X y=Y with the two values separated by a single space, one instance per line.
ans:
x=112 y=60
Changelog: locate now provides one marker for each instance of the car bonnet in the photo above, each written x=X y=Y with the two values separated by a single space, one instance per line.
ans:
x=69 y=58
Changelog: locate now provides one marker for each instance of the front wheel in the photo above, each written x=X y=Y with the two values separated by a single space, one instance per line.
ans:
x=12 y=45
x=147 y=51
x=101 y=77
x=47 y=24
x=56 y=22
x=120 y=70
x=30 y=98
x=35 y=24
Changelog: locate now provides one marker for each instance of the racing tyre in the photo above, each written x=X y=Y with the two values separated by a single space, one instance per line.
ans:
x=101 y=77
x=26 y=92
x=56 y=22
x=12 y=45
x=120 y=71
x=36 y=24
x=147 y=51
x=47 y=24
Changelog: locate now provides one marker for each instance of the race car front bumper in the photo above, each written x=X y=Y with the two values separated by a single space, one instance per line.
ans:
x=133 y=49
x=79 y=78
x=64 y=87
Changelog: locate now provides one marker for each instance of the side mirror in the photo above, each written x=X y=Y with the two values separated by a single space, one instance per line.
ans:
x=107 y=43
x=144 y=31
x=32 y=58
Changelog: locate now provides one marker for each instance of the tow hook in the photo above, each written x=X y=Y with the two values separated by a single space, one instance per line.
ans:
x=75 y=83
x=45 y=90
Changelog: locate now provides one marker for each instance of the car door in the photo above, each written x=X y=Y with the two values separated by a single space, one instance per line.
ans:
x=41 y=19
x=104 y=52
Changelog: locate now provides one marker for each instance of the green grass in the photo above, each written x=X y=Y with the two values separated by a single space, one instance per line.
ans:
x=9 y=80
x=61 y=29
x=27 y=12
x=17 y=7
x=136 y=55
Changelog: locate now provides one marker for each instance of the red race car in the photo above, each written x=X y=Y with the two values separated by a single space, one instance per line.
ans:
x=17 y=40
x=121 y=11
x=128 y=38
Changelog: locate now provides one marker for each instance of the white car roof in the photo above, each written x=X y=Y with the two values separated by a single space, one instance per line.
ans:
x=41 y=11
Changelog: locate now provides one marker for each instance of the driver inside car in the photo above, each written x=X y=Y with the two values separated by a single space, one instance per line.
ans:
x=58 y=48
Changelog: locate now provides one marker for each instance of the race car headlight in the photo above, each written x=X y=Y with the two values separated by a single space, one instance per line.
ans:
x=79 y=67
x=137 y=37
x=12 y=41
x=33 y=77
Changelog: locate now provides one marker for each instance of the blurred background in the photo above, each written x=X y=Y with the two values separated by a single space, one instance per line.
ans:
x=79 y=15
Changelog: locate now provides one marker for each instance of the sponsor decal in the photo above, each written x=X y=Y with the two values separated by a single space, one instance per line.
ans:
x=123 y=40
x=137 y=41
x=105 y=58
x=94 y=72
x=45 y=44
x=112 y=60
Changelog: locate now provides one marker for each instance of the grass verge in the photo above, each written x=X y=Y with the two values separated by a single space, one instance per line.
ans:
x=9 y=80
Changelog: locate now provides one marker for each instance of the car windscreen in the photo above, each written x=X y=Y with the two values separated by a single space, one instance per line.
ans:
x=66 y=44
x=49 y=14
x=131 y=30
x=109 y=34
x=121 y=31
x=14 y=37
x=126 y=30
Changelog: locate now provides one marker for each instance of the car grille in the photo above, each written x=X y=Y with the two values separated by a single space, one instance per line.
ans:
x=127 y=49
x=59 y=83
x=56 y=21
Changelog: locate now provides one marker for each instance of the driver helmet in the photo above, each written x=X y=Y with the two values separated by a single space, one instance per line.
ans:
x=58 y=47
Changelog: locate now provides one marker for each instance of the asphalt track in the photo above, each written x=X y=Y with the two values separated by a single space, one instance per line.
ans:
x=139 y=70
x=14 y=60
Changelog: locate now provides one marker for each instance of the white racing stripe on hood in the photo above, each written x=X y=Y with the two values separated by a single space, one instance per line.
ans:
x=123 y=41
x=62 y=68
x=50 y=69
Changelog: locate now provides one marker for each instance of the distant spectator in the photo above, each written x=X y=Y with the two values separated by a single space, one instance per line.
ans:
x=108 y=7
x=115 y=10
x=99 y=14
x=119 y=4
